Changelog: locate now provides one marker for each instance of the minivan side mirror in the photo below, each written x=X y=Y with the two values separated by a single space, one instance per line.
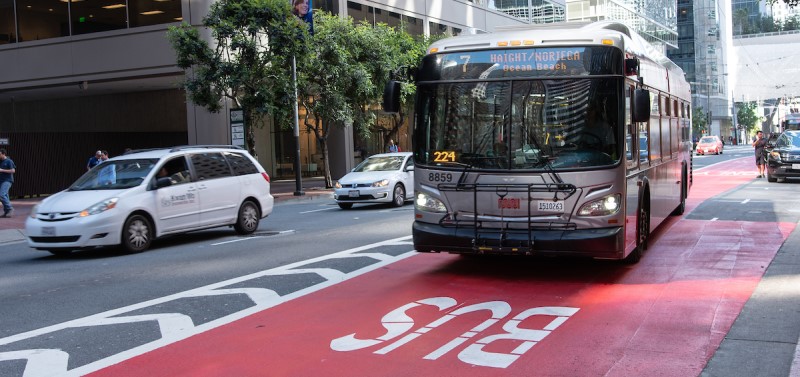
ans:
x=641 y=105
x=163 y=182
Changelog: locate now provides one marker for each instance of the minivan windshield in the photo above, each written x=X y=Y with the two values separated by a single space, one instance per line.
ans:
x=115 y=175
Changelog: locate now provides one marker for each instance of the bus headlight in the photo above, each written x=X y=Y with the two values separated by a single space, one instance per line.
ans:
x=604 y=206
x=427 y=203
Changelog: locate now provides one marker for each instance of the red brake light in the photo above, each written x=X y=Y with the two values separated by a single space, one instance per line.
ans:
x=265 y=175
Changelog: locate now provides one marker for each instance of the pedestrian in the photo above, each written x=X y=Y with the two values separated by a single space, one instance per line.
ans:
x=107 y=176
x=393 y=148
x=758 y=146
x=94 y=160
x=7 y=170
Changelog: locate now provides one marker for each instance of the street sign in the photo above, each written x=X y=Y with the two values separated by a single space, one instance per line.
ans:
x=237 y=127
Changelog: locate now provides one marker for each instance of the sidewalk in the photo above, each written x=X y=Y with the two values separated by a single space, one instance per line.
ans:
x=12 y=228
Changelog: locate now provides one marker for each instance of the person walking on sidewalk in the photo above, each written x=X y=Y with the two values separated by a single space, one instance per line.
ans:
x=759 y=145
x=7 y=170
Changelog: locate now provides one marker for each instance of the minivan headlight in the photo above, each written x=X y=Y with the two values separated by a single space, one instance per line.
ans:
x=99 y=207
x=607 y=205
x=427 y=203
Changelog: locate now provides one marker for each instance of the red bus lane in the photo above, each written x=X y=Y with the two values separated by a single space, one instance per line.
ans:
x=440 y=314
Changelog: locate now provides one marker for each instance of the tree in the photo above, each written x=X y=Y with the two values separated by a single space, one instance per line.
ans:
x=409 y=52
x=746 y=116
x=253 y=44
x=791 y=3
x=699 y=121
x=345 y=75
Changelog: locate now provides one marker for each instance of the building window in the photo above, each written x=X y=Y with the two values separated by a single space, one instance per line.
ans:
x=42 y=19
x=91 y=16
x=8 y=27
x=154 y=12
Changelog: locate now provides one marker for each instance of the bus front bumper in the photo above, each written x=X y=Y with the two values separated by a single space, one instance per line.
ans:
x=604 y=243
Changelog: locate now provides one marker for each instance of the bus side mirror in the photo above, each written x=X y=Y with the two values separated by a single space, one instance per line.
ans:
x=641 y=105
x=391 y=97
x=632 y=67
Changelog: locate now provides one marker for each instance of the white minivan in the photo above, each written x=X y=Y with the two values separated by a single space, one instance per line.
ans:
x=132 y=199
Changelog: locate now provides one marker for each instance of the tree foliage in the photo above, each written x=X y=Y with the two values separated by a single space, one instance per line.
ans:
x=344 y=77
x=746 y=116
x=744 y=24
x=699 y=121
x=248 y=61
x=409 y=52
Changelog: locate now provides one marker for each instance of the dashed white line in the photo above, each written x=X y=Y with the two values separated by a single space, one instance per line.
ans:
x=236 y=240
x=317 y=210
x=745 y=201
x=714 y=219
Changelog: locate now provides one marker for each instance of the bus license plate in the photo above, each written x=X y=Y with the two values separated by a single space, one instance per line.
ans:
x=49 y=231
x=353 y=193
x=550 y=206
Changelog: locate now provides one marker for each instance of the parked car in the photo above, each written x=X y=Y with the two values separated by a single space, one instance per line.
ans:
x=709 y=144
x=381 y=178
x=783 y=161
x=142 y=195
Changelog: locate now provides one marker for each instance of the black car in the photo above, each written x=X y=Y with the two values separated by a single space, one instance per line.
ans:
x=783 y=161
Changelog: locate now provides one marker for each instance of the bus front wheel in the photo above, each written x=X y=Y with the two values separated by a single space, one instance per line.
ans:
x=642 y=234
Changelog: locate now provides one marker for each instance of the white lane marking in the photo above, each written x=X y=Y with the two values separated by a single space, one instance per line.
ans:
x=236 y=240
x=714 y=164
x=176 y=326
x=745 y=201
x=41 y=362
x=318 y=210
x=714 y=219
x=250 y=238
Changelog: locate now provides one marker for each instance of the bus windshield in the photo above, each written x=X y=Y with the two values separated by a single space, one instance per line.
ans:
x=553 y=123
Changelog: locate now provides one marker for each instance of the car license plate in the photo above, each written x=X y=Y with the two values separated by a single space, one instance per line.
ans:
x=49 y=231
x=551 y=206
x=795 y=166
x=706 y=150
x=354 y=193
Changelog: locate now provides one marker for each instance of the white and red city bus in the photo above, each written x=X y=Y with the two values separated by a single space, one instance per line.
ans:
x=562 y=139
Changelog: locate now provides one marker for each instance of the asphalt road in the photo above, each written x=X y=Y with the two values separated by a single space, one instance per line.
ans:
x=97 y=308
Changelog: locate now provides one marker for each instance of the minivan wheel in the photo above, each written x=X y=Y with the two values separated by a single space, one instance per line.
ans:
x=399 y=197
x=137 y=233
x=249 y=217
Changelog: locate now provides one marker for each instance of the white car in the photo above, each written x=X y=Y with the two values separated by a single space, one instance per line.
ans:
x=142 y=195
x=381 y=178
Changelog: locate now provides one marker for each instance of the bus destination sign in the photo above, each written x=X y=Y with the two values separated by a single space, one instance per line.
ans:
x=539 y=60
x=527 y=62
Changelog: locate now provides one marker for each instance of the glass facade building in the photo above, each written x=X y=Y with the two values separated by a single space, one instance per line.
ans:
x=655 y=20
